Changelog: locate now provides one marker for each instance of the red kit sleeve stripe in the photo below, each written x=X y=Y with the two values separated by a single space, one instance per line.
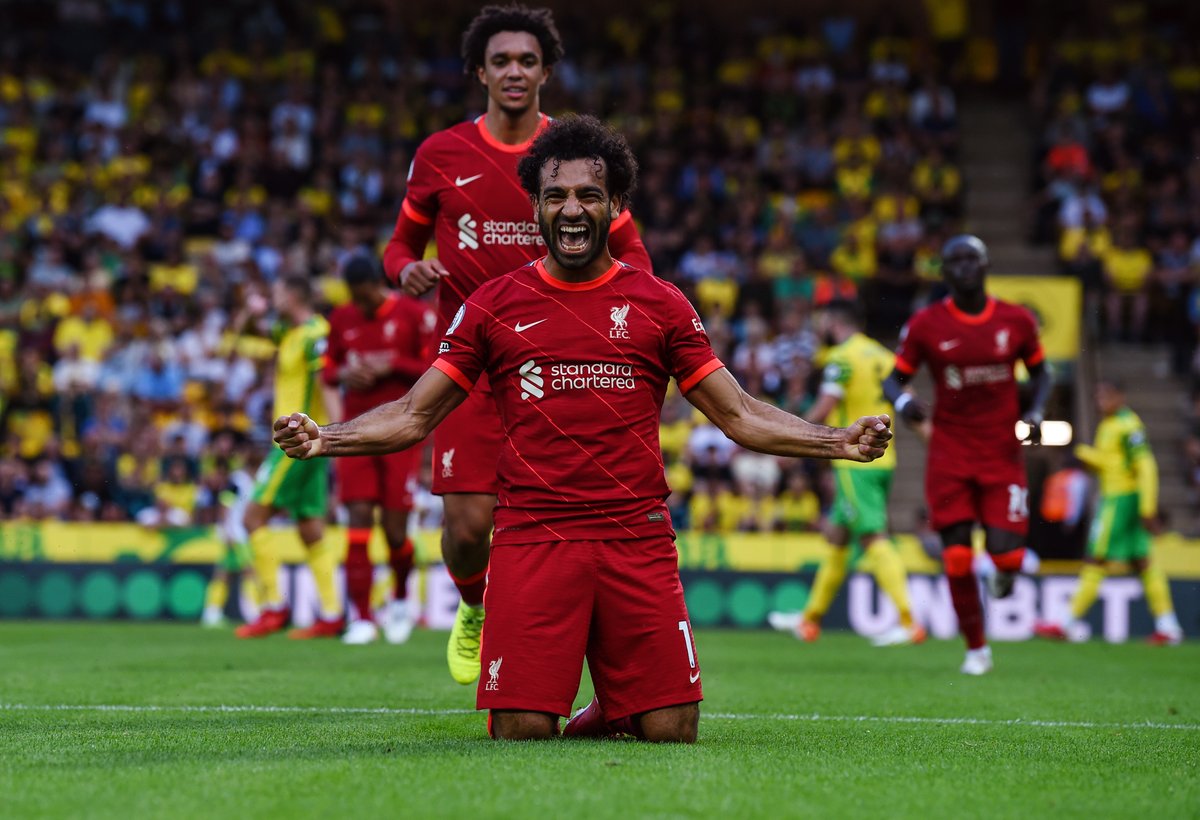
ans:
x=415 y=215
x=1038 y=356
x=454 y=373
x=904 y=367
x=699 y=374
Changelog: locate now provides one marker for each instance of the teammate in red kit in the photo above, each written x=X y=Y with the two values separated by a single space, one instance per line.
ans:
x=975 y=471
x=463 y=191
x=579 y=349
x=379 y=345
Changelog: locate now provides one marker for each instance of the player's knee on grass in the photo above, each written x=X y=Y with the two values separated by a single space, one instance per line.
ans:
x=675 y=724
x=505 y=725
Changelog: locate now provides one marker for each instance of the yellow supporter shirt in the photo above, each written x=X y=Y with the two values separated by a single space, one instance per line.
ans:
x=1122 y=459
x=181 y=278
x=298 y=370
x=858 y=264
x=854 y=372
x=1098 y=240
x=855 y=182
x=896 y=208
x=673 y=438
x=1128 y=268
x=142 y=473
x=947 y=18
x=94 y=337
x=868 y=146
x=799 y=511
x=719 y=513
x=177 y=496
x=717 y=294
x=929 y=179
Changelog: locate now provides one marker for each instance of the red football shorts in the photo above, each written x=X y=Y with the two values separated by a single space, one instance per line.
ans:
x=994 y=494
x=466 y=447
x=619 y=603
x=383 y=480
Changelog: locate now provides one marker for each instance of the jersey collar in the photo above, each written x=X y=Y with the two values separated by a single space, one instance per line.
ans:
x=389 y=304
x=971 y=318
x=519 y=148
x=553 y=282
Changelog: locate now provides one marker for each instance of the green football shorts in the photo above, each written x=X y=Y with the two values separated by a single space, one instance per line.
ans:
x=300 y=488
x=1117 y=533
x=860 y=500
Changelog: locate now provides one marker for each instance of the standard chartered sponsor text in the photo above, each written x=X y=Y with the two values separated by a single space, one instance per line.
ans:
x=592 y=375
x=511 y=232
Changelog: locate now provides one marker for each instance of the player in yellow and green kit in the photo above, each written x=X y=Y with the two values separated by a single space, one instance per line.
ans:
x=298 y=488
x=1125 y=522
x=852 y=385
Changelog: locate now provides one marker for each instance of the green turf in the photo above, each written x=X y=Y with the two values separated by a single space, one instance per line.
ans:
x=760 y=754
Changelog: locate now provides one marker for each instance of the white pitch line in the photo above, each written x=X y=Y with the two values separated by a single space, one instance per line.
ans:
x=812 y=718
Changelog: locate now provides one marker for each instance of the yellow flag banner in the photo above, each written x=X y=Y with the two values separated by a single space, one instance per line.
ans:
x=1056 y=302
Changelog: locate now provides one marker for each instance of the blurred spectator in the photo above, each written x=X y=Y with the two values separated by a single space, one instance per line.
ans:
x=1127 y=267
x=149 y=194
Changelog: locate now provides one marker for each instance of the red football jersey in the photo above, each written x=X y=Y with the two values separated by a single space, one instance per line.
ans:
x=463 y=182
x=578 y=373
x=972 y=359
x=401 y=333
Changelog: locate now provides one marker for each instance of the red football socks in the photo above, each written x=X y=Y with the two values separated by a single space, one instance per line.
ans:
x=471 y=588
x=401 y=559
x=1010 y=561
x=359 y=572
x=964 y=593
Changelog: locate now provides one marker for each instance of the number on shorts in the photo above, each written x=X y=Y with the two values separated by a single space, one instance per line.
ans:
x=1018 y=502
x=687 y=641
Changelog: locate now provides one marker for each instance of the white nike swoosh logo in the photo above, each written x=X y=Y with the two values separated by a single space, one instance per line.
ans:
x=461 y=181
x=950 y=345
x=520 y=328
x=695 y=676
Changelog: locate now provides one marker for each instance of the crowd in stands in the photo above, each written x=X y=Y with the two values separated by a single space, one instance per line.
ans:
x=155 y=180
x=153 y=187
x=1118 y=176
x=1118 y=182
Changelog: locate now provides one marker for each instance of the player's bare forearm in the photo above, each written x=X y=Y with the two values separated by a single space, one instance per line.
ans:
x=388 y=428
x=758 y=426
x=1041 y=381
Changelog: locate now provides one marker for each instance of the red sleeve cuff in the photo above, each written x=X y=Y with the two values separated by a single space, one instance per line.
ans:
x=454 y=373
x=699 y=374
x=1037 y=357
x=904 y=367
x=415 y=215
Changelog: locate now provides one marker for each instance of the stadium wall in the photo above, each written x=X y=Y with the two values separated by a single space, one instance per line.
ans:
x=62 y=570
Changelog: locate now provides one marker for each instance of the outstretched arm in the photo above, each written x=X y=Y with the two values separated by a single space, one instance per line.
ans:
x=765 y=429
x=388 y=428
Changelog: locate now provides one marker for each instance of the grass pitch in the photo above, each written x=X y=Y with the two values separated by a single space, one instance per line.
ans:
x=120 y=720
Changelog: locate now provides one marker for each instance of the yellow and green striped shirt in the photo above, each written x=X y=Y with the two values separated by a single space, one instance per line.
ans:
x=854 y=372
x=298 y=370
x=1123 y=460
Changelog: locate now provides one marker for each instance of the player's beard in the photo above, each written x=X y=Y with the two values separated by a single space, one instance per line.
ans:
x=597 y=241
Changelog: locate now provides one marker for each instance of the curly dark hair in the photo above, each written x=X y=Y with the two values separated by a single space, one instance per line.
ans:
x=516 y=17
x=581 y=137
